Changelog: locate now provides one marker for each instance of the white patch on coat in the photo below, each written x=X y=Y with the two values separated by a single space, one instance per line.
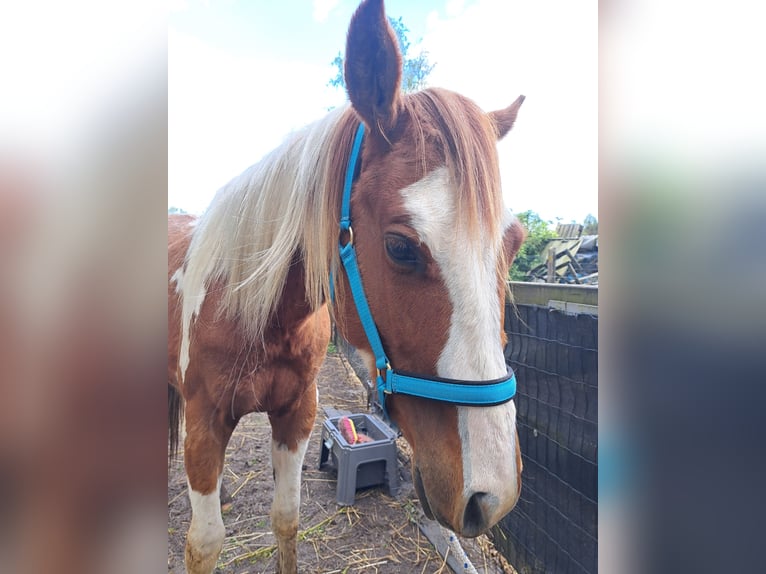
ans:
x=191 y=303
x=183 y=360
x=473 y=350
x=287 y=489
x=207 y=531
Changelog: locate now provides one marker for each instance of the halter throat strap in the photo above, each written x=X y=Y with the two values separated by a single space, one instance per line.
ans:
x=388 y=380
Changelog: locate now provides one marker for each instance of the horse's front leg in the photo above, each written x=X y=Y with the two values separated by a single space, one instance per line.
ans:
x=290 y=437
x=204 y=448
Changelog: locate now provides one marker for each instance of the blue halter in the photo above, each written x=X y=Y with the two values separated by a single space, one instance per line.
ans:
x=389 y=381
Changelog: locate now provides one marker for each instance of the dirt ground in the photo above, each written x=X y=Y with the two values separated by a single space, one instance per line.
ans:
x=378 y=534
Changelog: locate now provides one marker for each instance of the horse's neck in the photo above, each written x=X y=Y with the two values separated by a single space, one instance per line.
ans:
x=293 y=306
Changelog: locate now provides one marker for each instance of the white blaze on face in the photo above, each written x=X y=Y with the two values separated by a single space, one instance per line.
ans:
x=473 y=350
x=469 y=269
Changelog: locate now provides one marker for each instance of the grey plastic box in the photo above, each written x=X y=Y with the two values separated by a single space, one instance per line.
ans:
x=364 y=464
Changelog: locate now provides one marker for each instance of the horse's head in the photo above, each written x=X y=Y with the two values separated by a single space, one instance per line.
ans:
x=434 y=243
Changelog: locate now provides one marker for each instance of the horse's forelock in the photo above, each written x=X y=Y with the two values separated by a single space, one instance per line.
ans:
x=468 y=140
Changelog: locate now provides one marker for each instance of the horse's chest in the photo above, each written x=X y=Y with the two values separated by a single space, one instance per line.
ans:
x=258 y=376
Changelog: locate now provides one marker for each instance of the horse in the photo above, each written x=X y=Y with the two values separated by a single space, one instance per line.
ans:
x=253 y=283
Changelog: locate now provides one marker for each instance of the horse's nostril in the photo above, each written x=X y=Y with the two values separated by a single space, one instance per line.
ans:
x=475 y=516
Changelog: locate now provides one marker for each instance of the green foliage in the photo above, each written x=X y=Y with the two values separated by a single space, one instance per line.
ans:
x=590 y=225
x=338 y=81
x=175 y=210
x=415 y=70
x=530 y=254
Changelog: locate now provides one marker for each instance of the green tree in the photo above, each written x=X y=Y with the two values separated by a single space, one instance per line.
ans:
x=415 y=69
x=530 y=254
x=590 y=225
x=174 y=209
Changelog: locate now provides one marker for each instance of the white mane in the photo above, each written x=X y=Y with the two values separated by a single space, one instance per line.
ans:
x=256 y=224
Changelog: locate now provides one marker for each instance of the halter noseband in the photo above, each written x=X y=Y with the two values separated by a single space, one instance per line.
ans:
x=389 y=381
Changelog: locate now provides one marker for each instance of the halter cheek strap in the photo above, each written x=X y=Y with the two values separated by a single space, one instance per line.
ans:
x=388 y=380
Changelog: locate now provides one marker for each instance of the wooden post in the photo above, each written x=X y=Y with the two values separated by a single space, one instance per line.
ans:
x=551 y=264
x=574 y=273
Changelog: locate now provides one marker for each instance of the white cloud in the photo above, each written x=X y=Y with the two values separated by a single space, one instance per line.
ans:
x=177 y=6
x=322 y=9
x=494 y=51
x=455 y=7
x=226 y=111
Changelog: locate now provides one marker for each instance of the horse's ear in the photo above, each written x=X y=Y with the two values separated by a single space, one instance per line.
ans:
x=373 y=69
x=514 y=236
x=503 y=119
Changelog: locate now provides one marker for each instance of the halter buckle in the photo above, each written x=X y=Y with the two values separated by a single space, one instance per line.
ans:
x=382 y=373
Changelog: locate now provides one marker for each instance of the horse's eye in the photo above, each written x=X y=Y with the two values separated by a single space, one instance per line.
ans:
x=401 y=250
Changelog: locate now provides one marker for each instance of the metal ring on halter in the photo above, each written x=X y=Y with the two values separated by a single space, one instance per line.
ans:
x=350 y=236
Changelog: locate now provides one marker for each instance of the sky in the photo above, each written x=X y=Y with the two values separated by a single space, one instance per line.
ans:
x=243 y=74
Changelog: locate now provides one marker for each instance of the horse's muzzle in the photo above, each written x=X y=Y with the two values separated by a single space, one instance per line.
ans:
x=477 y=515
